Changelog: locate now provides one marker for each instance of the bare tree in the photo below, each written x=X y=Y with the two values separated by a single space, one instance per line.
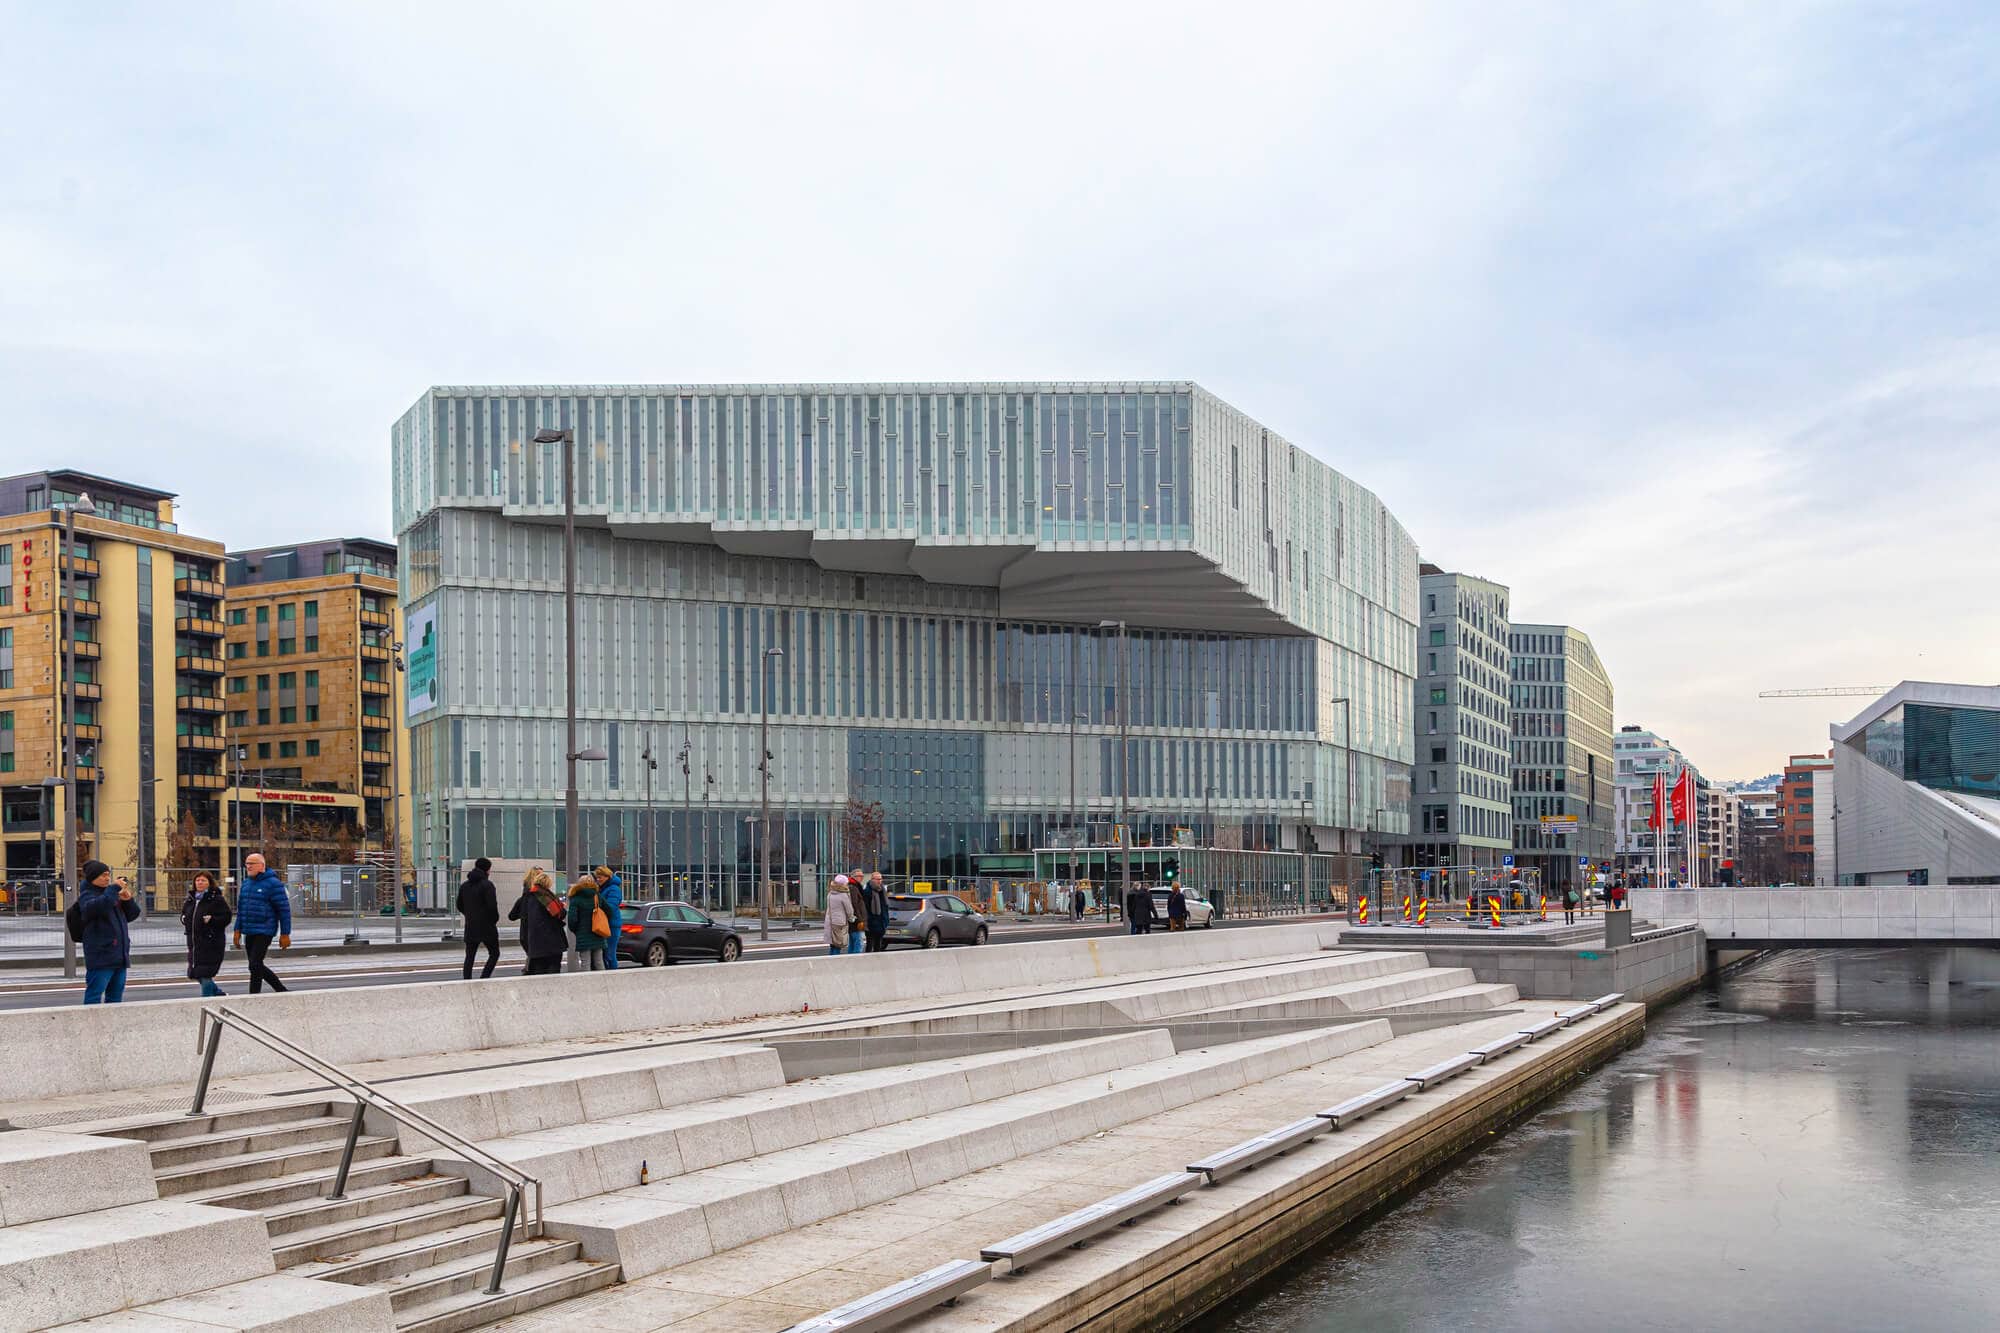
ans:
x=180 y=857
x=862 y=833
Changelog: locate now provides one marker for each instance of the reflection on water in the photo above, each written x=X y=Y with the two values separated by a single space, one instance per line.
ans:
x=1813 y=1144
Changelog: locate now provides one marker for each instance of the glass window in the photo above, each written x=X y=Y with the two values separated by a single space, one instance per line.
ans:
x=263 y=749
x=286 y=612
x=312 y=643
x=312 y=712
x=312 y=610
x=263 y=615
x=288 y=749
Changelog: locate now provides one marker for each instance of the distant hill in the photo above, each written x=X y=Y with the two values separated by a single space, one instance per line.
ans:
x=1769 y=782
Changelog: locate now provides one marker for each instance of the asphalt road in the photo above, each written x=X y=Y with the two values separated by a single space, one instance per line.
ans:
x=316 y=974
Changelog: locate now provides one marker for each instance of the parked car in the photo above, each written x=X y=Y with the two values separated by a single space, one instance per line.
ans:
x=1201 y=912
x=932 y=919
x=661 y=934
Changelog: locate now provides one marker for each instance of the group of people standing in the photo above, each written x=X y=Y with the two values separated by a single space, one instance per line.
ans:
x=857 y=914
x=100 y=921
x=1141 y=915
x=590 y=914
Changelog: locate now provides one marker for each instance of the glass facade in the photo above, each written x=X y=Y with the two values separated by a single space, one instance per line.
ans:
x=1562 y=749
x=1939 y=746
x=907 y=581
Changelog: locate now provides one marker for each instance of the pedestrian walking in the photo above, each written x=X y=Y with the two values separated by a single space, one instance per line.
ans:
x=479 y=906
x=540 y=913
x=585 y=911
x=1138 y=911
x=103 y=909
x=839 y=915
x=1177 y=913
x=263 y=910
x=205 y=918
x=875 y=910
x=1569 y=904
x=1077 y=903
x=857 y=926
x=611 y=897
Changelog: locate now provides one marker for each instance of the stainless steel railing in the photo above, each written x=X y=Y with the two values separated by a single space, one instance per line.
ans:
x=520 y=1185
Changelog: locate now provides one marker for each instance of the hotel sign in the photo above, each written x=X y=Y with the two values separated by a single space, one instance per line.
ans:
x=285 y=796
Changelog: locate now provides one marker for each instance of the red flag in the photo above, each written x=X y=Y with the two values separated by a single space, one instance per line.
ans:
x=1684 y=797
x=1659 y=815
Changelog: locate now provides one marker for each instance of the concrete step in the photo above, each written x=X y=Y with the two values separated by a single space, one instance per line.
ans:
x=234 y=1141
x=307 y=1185
x=1352 y=997
x=1459 y=999
x=371 y=1201
x=473 y=1308
x=398 y=1258
x=272 y=1303
x=427 y=1285
x=159 y=1128
x=576 y=1161
x=201 y=1176
x=653 y=1227
x=74 y=1268
x=340 y=1239
x=1329 y=972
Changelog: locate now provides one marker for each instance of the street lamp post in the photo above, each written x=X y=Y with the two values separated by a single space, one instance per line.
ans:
x=66 y=573
x=395 y=785
x=1124 y=762
x=687 y=794
x=572 y=833
x=764 y=796
x=652 y=860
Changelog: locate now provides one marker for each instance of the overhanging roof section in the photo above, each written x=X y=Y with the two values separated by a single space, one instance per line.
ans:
x=1152 y=502
x=1917 y=692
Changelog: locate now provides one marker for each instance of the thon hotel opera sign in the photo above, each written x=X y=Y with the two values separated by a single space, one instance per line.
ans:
x=278 y=796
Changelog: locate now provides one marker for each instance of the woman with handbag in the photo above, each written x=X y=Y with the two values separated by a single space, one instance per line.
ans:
x=587 y=922
x=205 y=916
x=540 y=913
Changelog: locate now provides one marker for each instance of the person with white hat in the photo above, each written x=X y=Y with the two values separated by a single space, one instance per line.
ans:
x=839 y=915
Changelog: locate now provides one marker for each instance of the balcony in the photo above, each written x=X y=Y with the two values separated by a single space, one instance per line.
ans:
x=88 y=772
x=195 y=740
x=89 y=648
x=374 y=722
x=204 y=781
x=203 y=625
x=86 y=609
x=89 y=731
x=376 y=793
x=83 y=566
x=375 y=619
x=374 y=686
x=86 y=689
x=198 y=587
x=374 y=653
x=200 y=666
x=200 y=703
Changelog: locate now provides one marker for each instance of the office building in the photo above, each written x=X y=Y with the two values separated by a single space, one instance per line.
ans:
x=313 y=704
x=1805 y=817
x=147 y=672
x=1719 y=833
x=1640 y=755
x=912 y=582
x=1916 y=786
x=1760 y=837
x=1563 y=773
x=1460 y=807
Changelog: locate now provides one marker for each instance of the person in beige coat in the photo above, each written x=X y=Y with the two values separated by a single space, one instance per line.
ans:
x=839 y=915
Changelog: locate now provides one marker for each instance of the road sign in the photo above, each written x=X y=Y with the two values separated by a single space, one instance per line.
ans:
x=1583 y=861
x=1559 y=823
x=1507 y=860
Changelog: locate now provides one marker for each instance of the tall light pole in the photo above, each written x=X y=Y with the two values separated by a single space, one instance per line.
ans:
x=1075 y=811
x=687 y=790
x=1124 y=762
x=395 y=783
x=707 y=851
x=764 y=796
x=652 y=860
x=572 y=832
x=66 y=573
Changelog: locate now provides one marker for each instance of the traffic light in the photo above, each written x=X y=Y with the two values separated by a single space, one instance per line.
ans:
x=1170 y=871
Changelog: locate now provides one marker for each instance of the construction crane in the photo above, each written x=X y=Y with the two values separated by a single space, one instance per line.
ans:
x=1826 y=692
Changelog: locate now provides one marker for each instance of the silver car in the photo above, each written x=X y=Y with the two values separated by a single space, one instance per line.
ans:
x=933 y=919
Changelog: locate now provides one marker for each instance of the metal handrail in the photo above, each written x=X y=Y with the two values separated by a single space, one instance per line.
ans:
x=520 y=1185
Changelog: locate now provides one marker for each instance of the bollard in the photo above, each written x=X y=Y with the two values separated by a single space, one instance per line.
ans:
x=1364 y=909
x=1493 y=906
x=1423 y=911
x=1545 y=906
x=1407 y=917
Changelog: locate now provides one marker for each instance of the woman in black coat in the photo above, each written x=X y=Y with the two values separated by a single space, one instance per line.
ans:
x=543 y=938
x=205 y=917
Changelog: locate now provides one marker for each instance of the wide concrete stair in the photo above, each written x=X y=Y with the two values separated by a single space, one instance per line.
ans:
x=907 y=1132
x=422 y=1236
x=1413 y=990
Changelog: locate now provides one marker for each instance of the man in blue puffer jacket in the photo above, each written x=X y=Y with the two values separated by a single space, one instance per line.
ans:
x=610 y=896
x=263 y=909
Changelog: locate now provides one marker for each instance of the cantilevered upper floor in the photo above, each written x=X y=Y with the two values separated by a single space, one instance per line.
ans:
x=1155 y=502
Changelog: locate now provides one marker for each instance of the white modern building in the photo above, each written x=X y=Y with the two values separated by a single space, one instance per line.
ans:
x=1916 y=787
x=950 y=601
x=1562 y=755
x=1640 y=754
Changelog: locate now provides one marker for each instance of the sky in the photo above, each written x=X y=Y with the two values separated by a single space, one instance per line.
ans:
x=1680 y=320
